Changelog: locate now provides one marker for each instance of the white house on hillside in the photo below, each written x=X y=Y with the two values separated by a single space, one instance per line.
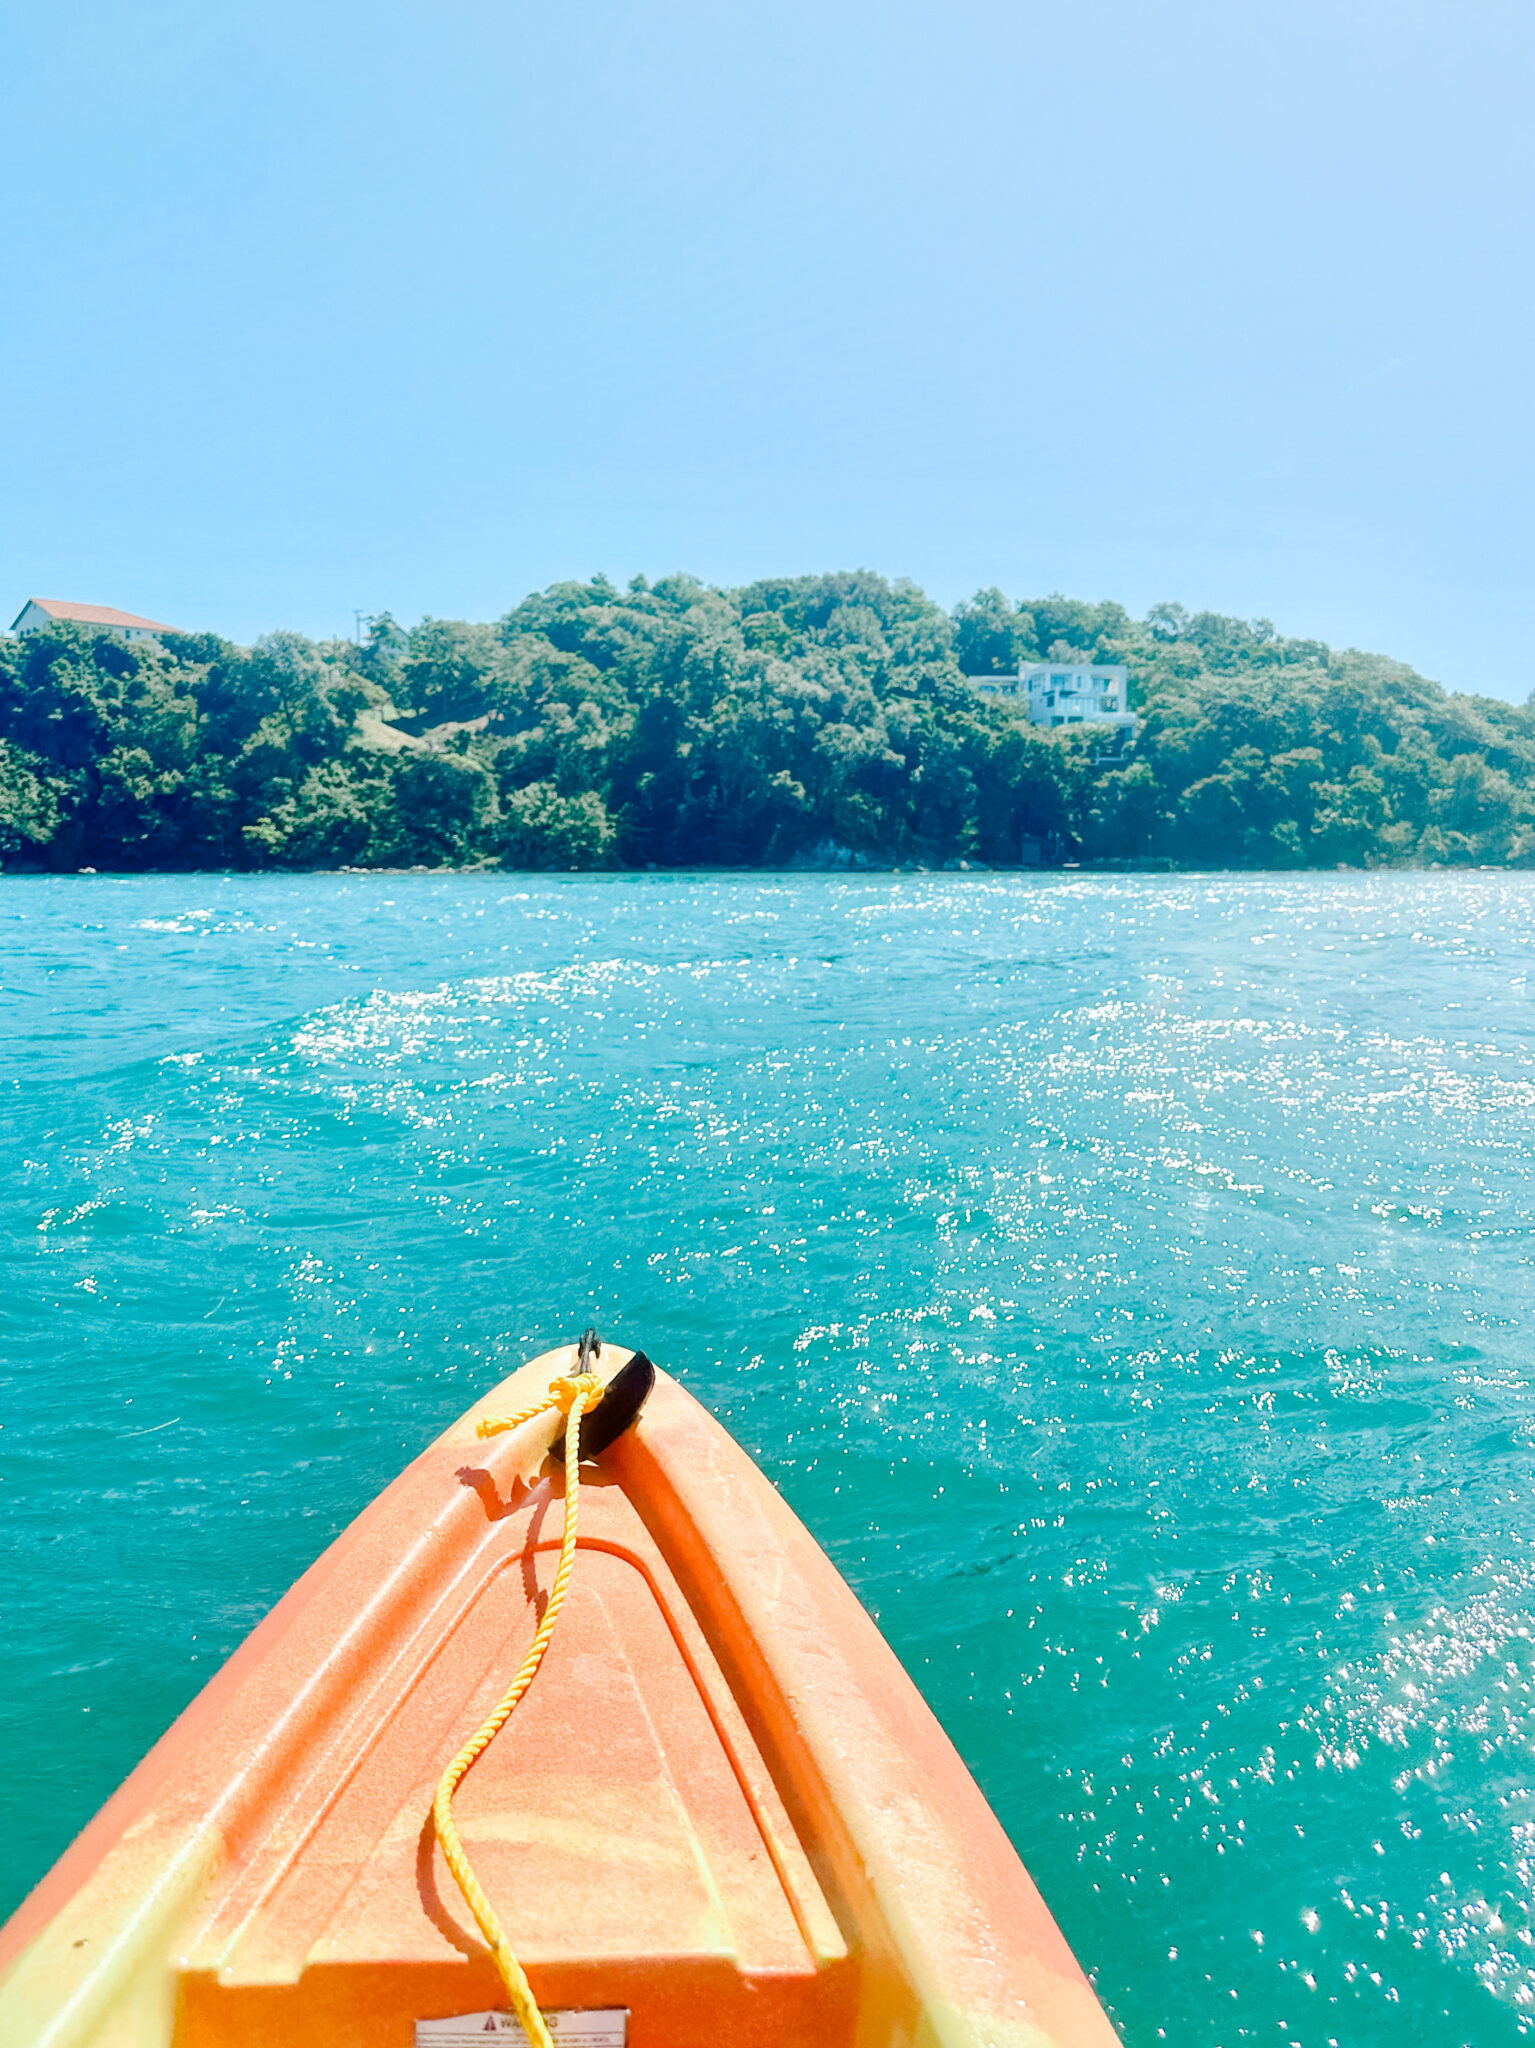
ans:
x=38 y=613
x=1061 y=693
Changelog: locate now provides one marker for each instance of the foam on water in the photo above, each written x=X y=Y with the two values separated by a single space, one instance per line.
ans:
x=1123 y=1276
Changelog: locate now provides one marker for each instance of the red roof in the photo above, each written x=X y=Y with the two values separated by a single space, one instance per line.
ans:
x=90 y=615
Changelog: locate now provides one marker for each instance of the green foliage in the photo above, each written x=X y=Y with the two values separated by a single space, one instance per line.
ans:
x=546 y=830
x=802 y=719
x=29 y=804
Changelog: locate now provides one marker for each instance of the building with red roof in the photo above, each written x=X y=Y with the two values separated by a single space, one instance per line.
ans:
x=39 y=613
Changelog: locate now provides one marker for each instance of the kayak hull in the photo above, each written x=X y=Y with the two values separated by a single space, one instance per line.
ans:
x=723 y=1808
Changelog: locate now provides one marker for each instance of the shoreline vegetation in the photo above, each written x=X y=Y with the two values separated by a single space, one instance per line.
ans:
x=816 y=721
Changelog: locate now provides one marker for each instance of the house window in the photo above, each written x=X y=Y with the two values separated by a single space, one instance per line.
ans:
x=1051 y=698
x=1058 y=680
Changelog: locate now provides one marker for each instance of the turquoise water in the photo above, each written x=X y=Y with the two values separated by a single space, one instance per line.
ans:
x=1123 y=1276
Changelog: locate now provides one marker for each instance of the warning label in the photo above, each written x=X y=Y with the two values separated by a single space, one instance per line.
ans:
x=571 y=2029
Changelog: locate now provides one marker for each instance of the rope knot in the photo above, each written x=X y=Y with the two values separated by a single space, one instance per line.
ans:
x=568 y=1388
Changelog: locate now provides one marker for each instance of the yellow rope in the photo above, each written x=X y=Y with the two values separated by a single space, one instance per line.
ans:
x=574 y=1395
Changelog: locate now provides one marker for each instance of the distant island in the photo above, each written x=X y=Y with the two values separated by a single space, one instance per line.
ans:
x=807 y=721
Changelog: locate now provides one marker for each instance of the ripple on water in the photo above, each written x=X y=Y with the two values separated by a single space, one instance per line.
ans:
x=1123 y=1275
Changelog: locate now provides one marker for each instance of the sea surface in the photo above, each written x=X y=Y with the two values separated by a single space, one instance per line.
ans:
x=1125 y=1277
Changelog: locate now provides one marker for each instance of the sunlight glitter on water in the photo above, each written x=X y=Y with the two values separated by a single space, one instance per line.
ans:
x=1123 y=1276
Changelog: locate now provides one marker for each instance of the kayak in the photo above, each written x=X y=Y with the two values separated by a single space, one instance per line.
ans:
x=722 y=1816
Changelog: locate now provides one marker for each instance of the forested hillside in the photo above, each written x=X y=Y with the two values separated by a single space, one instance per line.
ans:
x=820 y=719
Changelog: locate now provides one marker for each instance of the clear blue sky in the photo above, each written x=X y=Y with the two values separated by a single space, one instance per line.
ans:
x=313 y=307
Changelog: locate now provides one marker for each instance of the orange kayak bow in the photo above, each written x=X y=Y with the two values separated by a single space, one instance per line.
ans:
x=722 y=1818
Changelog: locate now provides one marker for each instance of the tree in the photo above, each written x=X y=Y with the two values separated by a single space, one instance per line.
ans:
x=990 y=637
x=29 y=804
x=677 y=723
x=546 y=830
